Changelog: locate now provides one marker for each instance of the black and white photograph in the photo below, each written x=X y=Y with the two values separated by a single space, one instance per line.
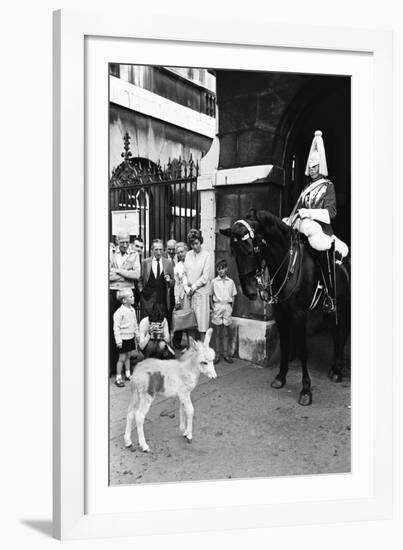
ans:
x=229 y=274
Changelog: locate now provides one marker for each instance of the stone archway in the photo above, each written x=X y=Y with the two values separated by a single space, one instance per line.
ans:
x=324 y=104
x=265 y=128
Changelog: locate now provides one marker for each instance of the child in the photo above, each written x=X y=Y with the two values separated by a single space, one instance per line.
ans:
x=222 y=294
x=126 y=333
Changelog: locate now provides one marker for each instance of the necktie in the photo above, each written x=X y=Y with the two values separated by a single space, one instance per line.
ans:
x=158 y=268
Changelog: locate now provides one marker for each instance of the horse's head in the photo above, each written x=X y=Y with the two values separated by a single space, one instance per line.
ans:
x=242 y=235
x=246 y=237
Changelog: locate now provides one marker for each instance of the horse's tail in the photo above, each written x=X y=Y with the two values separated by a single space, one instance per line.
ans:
x=346 y=269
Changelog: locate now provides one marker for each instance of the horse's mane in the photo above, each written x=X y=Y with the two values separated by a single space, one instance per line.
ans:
x=267 y=224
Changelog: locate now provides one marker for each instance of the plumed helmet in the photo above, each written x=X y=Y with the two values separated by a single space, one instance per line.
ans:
x=317 y=154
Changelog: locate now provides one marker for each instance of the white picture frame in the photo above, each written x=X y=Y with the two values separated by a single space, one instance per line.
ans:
x=79 y=43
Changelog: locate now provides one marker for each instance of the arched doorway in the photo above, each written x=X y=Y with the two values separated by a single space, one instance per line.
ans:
x=324 y=104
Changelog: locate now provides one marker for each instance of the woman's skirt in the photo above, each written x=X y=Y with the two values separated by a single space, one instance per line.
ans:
x=200 y=303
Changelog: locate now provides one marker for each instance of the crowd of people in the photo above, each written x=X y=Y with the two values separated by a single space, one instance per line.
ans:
x=175 y=278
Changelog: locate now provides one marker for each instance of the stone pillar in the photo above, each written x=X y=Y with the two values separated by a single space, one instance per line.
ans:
x=253 y=333
x=206 y=186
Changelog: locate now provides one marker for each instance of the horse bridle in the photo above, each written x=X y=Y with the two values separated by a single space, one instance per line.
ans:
x=265 y=290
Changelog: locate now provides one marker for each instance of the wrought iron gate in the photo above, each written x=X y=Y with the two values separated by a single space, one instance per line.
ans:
x=155 y=201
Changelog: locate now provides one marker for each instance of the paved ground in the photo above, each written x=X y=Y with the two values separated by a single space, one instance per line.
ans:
x=242 y=428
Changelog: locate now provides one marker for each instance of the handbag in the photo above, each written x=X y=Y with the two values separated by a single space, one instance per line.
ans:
x=183 y=319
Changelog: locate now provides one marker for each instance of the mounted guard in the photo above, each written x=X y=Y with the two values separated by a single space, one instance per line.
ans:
x=312 y=215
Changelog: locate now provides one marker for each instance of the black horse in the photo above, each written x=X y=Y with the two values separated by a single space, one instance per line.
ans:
x=262 y=243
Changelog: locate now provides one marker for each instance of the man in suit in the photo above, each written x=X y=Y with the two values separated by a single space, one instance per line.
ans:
x=170 y=252
x=156 y=281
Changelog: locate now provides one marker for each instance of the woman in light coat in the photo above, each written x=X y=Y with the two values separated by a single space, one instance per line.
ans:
x=197 y=269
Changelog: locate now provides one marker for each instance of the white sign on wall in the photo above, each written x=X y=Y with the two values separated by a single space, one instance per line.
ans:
x=125 y=221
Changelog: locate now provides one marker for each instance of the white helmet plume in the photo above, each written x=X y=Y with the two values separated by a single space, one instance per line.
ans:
x=317 y=154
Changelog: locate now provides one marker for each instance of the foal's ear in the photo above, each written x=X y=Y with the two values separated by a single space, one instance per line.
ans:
x=207 y=338
x=226 y=232
x=193 y=343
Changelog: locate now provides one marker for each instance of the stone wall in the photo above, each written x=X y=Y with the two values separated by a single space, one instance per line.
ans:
x=252 y=106
x=232 y=203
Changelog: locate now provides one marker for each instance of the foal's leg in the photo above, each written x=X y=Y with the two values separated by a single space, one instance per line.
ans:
x=305 y=397
x=188 y=406
x=140 y=414
x=182 y=418
x=130 y=416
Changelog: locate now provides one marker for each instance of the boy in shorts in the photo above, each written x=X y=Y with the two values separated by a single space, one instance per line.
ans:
x=222 y=294
x=126 y=333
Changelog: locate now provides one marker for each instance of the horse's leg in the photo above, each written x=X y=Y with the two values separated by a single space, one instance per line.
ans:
x=340 y=332
x=283 y=325
x=305 y=397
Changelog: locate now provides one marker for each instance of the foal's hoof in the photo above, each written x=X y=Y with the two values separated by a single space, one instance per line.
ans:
x=128 y=445
x=335 y=376
x=146 y=449
x=305 y=399
x=188 y=439
x=277 y=383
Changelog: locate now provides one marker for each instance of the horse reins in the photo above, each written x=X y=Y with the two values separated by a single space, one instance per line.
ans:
x=266 y=290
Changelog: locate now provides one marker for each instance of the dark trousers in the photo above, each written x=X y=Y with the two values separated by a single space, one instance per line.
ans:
x=155 y=348
x=113 y=351
x=146 y=306
x=177 y=338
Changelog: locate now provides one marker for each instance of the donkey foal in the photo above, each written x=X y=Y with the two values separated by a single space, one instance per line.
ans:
x=169 y=378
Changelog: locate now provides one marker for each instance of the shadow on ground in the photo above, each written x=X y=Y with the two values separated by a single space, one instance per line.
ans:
x=42 y=526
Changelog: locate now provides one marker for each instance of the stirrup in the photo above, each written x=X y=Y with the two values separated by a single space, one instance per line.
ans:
x=338 y=258
x=329 y=305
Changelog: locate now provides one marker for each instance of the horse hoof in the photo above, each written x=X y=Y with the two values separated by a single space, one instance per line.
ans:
x=305 y=399
x=277 y=383
x=188 y=439
x=335 y=376
x=146 y=449
x=128 y=445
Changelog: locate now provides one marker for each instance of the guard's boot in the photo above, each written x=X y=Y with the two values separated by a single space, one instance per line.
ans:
x=327 y=268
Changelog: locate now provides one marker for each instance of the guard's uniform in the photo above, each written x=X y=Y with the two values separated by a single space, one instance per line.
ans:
x=316 y=206
x=312 y=216
x=321 y=195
